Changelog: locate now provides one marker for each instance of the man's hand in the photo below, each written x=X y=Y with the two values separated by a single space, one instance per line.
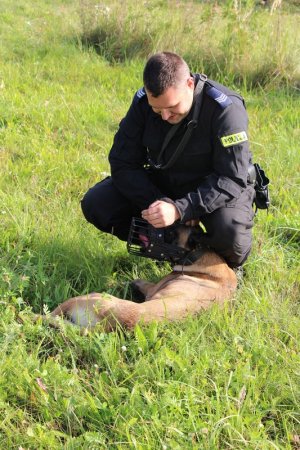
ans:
x=161 y=214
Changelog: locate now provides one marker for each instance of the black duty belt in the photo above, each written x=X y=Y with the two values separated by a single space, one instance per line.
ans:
x=258 y=179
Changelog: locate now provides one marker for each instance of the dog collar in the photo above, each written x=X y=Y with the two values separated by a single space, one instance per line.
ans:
x=191 y=257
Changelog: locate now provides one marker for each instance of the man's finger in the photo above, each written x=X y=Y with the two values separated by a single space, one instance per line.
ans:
x=157 y=202
x=150 y=216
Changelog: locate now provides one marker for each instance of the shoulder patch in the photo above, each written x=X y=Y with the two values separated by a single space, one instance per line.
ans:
x=234 y=139
x=140 y=94
x=219 y=97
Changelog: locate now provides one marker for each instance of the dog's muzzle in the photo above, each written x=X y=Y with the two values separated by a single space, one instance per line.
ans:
x=155 y=243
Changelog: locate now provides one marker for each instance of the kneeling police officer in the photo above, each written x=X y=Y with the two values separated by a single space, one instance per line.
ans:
x=180 y=154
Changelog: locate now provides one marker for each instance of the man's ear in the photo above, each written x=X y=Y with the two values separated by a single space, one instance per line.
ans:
x=191 y=83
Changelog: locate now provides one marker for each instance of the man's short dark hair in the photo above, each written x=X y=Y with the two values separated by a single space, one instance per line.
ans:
x=164 y=70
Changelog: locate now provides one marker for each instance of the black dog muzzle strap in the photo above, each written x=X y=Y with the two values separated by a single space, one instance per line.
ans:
x=149 y=242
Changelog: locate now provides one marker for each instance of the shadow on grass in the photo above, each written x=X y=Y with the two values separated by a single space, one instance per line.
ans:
x=45 y=272
x=112 y=47
x=288 y=237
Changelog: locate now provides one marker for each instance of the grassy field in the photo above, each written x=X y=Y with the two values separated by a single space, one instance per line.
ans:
x=229 y=379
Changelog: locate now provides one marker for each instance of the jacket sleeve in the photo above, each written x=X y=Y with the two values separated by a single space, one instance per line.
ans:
x=231 y=157
x=128 y=157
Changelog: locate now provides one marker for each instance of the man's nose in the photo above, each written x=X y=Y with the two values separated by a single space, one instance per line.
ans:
x=165 y=114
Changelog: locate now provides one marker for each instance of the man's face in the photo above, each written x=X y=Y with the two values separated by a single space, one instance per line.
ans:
x=175 y=103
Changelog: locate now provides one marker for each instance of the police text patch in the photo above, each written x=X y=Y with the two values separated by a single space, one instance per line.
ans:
x=234 y=139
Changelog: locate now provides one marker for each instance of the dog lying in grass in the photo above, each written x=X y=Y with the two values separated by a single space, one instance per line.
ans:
x=186 y=290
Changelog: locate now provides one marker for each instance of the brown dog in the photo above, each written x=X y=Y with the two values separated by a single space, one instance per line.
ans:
x=186 y=290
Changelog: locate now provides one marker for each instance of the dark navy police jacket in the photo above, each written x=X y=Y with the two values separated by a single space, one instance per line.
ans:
x=209 y=174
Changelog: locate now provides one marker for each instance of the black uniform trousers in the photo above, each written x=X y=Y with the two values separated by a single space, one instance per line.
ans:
x=228 y=229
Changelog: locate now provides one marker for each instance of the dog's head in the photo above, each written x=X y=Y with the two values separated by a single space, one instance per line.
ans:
x=183 y=236
x=170 y=244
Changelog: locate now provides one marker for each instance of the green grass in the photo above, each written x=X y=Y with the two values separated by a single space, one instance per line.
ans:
x=238 y=40
x=227 y=380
